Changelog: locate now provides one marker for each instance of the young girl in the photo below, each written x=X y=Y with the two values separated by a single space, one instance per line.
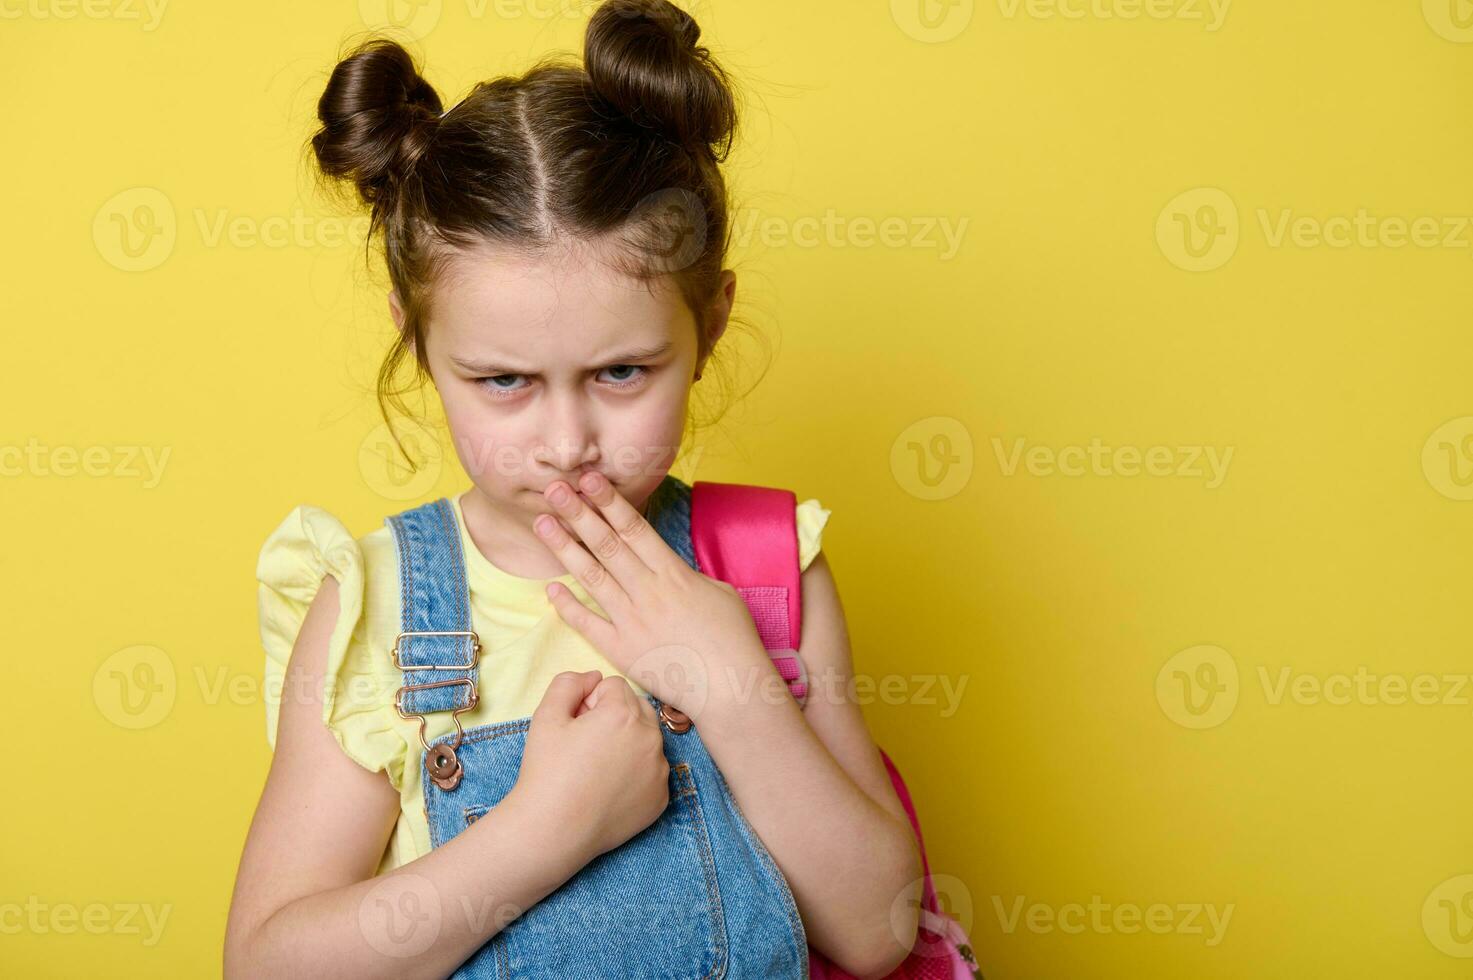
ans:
x=587 y=776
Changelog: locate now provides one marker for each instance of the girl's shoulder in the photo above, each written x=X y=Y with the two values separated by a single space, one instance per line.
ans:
x=811 y=517
x=308 y=545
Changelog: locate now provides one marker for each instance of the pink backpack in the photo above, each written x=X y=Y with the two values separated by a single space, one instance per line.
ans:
x=747 y=536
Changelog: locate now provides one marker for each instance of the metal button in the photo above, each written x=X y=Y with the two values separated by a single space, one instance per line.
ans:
x=443 y=766
x=674 y=719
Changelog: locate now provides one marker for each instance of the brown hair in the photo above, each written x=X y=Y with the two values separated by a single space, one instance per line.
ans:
x=625 y=148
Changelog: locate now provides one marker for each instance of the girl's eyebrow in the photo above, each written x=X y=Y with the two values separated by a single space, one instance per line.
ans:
x=488 y=367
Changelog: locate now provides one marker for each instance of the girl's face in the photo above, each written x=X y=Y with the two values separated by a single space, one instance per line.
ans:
x=551 y=366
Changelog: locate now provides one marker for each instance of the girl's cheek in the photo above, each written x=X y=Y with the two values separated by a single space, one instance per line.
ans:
x=487 y=454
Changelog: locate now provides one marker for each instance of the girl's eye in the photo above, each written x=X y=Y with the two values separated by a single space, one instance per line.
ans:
x=495 y=385
x=504 y=385
x=633 y=380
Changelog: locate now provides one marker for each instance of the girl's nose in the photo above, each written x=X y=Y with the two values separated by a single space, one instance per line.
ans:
x=568 y=457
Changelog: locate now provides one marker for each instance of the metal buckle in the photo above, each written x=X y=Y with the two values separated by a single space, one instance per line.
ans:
x=444 y=767
x=471 y=661
x=455 y=713
x=399 y=696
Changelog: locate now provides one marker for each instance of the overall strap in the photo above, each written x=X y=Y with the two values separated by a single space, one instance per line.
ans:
x=669 y=513
x=747 y=536
x=437 y=647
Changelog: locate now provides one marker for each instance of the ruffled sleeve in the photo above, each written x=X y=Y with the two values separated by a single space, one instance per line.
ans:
x=811 y=517
x=309 y=544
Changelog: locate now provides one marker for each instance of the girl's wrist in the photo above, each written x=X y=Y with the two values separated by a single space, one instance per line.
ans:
x=564 y=843
x=744 y=687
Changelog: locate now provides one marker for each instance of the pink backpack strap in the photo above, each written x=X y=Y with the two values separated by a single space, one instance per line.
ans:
x=747 y=536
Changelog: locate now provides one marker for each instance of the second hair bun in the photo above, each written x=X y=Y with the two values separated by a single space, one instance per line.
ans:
x=643 y=59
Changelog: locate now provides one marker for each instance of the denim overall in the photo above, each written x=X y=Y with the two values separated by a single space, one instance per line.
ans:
x=693 y=895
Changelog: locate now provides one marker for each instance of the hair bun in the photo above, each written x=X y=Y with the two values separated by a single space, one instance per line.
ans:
x=643 y=60
x=377 y=115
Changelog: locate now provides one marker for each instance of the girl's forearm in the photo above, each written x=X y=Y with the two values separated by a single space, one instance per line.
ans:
x=848 y=861
x=425 y=918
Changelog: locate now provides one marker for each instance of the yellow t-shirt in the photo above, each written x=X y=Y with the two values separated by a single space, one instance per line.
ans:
x=524 y=644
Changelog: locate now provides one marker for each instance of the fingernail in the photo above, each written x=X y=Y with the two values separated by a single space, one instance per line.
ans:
x=560 y=494
x=592 y=482
x=543 y=525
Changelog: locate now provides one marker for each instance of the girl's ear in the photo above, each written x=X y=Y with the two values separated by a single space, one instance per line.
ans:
x=396 y=309
x=718 y=314
x=720 y=310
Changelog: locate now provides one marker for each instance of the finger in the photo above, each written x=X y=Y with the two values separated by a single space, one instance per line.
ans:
x=646 y=710
x=564 y=692
x=603 y=542
x=625 y=692
x=614 y=692
x=595 y=576
x=629 y=524
x=587 y=703
x=594 y=695
x=620 y=696
x=599 y=632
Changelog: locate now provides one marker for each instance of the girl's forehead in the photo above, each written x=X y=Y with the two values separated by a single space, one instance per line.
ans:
x=506 y=301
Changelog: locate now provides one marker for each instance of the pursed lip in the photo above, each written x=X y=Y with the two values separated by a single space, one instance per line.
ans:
x=573 y=481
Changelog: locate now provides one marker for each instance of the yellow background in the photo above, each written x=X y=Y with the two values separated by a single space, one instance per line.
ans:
x=1338 y=377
